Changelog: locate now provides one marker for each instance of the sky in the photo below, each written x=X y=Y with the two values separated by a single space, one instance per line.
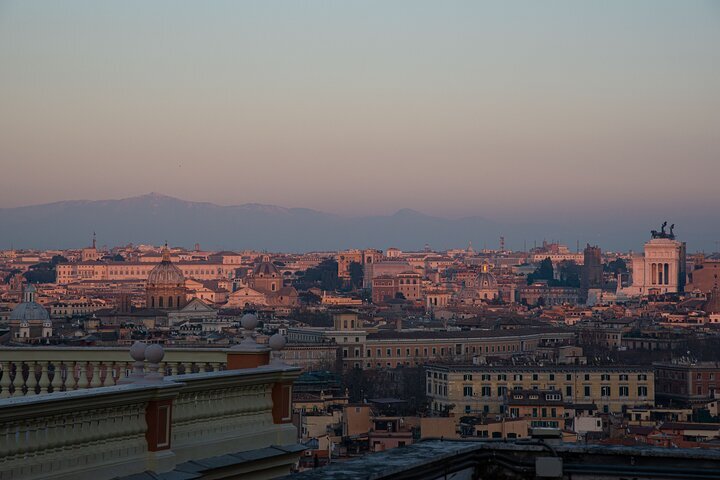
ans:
x=512 y=110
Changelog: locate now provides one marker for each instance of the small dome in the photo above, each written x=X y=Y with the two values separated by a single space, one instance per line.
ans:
x=165 y=273
x=28 y=311
x=486 y=280
x=266 y=269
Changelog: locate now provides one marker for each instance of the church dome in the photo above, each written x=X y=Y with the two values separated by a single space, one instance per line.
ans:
x=486 y=280
x=266 y=269
x=29 y=309
x=165 y=273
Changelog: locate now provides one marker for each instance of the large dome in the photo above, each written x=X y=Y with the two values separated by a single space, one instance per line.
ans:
x=29 y=309
x=165 y=273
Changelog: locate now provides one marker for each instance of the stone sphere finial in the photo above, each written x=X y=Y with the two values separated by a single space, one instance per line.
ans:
x=154 y=353
x=277 y=342
x=137 y=351
x=249 y=321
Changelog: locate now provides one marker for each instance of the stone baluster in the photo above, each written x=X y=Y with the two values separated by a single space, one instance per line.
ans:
x=188 y=367
x=5 y=380
x=173 y=367
x=109 y=379
x=57 y=380
x=31 y=382
x=95 y=382
x=44 y=379
x=82 y=376
x=71 y=379
x=18 y=380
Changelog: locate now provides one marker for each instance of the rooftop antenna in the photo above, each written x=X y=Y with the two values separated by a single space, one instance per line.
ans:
x=502 y=244
x=93 y=244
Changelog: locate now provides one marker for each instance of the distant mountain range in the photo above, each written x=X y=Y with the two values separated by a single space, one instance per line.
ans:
x=155 y=218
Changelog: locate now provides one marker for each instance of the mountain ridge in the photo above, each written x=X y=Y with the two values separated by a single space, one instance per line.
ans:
x=155 y=217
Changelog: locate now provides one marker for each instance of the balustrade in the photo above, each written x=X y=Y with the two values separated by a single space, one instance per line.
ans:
x=40 y=370
x=96 y=433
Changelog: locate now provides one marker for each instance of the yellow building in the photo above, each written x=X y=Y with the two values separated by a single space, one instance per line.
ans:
x=484 y=389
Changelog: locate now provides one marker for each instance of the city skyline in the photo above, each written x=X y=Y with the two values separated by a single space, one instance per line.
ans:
x=513 y=111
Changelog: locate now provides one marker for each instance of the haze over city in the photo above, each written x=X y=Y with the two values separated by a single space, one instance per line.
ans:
x=518 y=112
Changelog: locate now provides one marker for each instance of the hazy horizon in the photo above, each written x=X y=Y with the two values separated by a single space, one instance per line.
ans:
x=519 y=111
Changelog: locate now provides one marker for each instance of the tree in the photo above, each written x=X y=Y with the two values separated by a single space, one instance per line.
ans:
x=616 y=266
x=56 y=259
x=544 y=271
x=356 y=275
x=569 y=273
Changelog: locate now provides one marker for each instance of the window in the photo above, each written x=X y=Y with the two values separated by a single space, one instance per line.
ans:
x=552 y=377
x=502 y=377
x=642 y=391
x=605 y=391
x=501 y=391
x=605 y=377
x=623 y=377
x=642 y=376
x=587 y=390
x=535 y=377
x=485 y=391
x=467 y=391
x=568 y=391
x=587 y=377
x=467 y=377
x=568 y=377
x=517 y=377
x=624 y=391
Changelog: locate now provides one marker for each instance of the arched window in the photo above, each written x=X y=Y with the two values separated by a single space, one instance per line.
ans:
x=169 y=301
x=178 y=301
x=160 y=302
x=152 y=302
x=272 y=287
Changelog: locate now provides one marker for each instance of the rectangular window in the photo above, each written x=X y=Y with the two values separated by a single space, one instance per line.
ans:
x=624 y=391
x=467 y=391
x=642 y=391
x=587 y=391
x=605 y=391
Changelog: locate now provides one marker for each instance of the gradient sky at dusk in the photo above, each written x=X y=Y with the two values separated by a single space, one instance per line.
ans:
x=510 y=110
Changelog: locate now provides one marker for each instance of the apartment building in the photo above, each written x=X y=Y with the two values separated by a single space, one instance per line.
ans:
x=484 y=389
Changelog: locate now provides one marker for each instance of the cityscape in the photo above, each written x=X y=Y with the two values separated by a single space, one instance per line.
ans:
x=416 y=240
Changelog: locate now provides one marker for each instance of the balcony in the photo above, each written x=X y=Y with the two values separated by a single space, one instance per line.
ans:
x=38 y=370
x=81 y=413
